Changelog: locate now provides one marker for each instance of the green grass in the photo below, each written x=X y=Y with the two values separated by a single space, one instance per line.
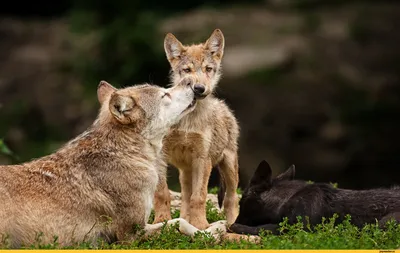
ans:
x=327 y=235
x=214 y=190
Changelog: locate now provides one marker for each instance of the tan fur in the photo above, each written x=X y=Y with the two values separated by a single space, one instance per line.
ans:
x=205 y=138
x=102 y=183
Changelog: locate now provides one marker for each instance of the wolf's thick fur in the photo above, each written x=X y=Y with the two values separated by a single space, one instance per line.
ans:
x=266 y=201
x=203 y=139
x=102 y=183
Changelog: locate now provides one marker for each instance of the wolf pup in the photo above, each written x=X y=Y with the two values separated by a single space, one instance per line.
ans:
x=203 y=139
x=266 y=201
x=102 y=183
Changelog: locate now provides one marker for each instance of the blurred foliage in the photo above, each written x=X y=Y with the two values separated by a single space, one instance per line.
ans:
x=125 y=55
x=365 y=106
x=127 y=31
x=4 y=149
x=6 y=152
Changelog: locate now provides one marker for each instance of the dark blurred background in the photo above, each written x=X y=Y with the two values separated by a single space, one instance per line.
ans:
x=313 y=83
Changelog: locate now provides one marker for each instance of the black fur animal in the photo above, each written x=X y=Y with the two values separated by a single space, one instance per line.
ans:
x=266 y=201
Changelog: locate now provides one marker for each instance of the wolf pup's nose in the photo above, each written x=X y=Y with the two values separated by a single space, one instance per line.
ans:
x=198 y=89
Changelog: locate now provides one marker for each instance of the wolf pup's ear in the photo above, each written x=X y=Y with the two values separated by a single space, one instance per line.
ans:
x=262 y=175
x=121 y=107
x=216 y=44
x=104 y=90
x=173 y=47
x=288 y=174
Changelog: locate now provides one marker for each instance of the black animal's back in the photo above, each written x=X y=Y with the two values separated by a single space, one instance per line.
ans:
x=366 y=206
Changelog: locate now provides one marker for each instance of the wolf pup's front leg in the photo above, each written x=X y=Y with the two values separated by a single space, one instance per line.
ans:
x=201 y=170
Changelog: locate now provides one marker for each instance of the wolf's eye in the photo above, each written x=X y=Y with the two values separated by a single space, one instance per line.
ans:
x=186 y=70
x=166 y=94
x=209 y=69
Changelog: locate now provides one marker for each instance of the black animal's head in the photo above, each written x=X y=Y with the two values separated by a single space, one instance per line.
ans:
x=263 y=196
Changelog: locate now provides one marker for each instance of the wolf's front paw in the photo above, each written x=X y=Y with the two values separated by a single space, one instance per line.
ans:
x=217 y=228
x=237 y=238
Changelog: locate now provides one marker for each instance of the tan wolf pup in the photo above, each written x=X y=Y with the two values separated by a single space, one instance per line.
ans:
x=102 y=183
x=205 y=138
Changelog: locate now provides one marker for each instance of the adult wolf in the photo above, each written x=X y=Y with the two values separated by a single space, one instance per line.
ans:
x=102 y=183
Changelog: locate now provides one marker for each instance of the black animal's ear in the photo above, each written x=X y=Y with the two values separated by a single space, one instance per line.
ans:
x=262 y=175
x=288 y=174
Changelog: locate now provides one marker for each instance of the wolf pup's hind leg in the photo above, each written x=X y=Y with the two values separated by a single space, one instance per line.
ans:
x=228 y=168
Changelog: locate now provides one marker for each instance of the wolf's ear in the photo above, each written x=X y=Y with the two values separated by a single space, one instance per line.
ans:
x=104 y=90
x=216 y=44
x=288 y=174
x=121 y=107
x=262 y=175
x=173 y=47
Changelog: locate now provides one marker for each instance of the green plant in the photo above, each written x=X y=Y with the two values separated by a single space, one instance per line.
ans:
x=4 y=149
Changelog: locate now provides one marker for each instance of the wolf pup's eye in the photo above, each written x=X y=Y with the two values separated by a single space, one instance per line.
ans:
x=209 y=69
x=186 y=70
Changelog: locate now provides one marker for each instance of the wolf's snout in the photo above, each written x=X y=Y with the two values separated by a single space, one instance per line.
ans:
x=199 y=90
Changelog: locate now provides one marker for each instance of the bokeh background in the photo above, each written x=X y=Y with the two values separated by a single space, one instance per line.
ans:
x=313 y=83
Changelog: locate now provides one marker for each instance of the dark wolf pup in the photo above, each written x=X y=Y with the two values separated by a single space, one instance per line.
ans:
x=266 y=201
